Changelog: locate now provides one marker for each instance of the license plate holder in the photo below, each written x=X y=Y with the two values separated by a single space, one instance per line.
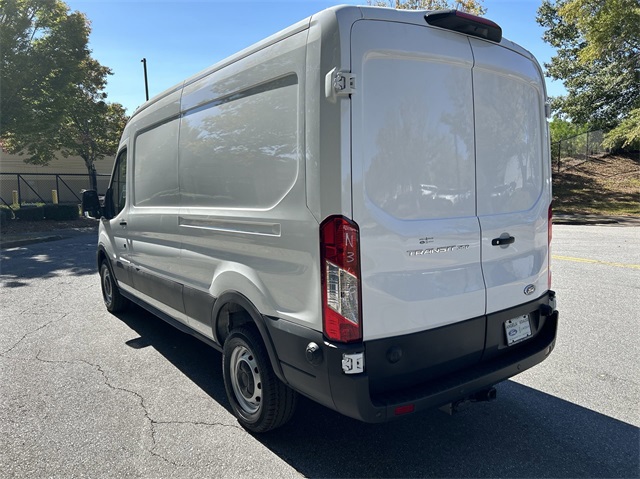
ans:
x=517 y=329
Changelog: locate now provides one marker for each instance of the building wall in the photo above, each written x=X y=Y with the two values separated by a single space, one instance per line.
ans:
x=73 y=164
x=35 y=183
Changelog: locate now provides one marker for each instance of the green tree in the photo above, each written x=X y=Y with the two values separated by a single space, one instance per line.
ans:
x=42 y=48
x=562 y=129
x=598 y=60
x=627 y=133
x=52 y=96
x=91 y=130
x=471 y=6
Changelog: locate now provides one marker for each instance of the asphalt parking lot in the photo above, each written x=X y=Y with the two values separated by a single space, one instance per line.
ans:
x=88 y=394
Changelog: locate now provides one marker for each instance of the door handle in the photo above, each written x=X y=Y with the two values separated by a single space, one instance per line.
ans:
x=123 y=223
x=503 y=241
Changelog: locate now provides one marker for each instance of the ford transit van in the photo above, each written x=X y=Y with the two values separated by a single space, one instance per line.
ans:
x=356 y=209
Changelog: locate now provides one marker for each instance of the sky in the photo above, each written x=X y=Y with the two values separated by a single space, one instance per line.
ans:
x=181 y=38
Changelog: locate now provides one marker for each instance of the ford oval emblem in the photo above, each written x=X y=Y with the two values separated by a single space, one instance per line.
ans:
x=513 y=332
x=529 y=289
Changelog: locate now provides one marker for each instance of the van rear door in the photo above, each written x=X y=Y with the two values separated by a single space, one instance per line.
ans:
x=513 y=174
x=413 y=178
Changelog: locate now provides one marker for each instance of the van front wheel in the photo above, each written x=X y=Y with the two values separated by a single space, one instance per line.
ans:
x=259 y=400
x=113 y=300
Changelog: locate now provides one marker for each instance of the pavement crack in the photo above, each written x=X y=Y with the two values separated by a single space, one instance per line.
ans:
x=201 y=423
x=191 y=423
x=140 y=398
x=26 y=335
x=142 y=404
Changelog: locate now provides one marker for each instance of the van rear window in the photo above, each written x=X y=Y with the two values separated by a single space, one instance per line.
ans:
x=509 y=145
x=418 y=148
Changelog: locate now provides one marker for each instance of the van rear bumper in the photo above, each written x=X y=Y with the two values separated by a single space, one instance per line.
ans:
x=359 y=395
x=352 y=395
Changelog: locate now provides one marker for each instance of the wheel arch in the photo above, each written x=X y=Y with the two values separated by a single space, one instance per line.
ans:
x=233 y=309
x=101 y=255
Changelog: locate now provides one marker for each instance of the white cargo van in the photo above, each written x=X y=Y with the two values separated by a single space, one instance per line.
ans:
x=356 y=209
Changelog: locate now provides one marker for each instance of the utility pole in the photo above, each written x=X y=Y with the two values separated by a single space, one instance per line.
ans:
x=146 y=83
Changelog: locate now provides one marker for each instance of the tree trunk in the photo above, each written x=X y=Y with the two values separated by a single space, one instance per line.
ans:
x=93 y=179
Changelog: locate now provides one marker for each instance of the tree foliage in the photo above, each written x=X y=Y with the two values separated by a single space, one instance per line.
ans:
x=560 y=129
x=43 y=47
x=52 y=96
x=471 y=6
x=627 y=133
x=598 y=59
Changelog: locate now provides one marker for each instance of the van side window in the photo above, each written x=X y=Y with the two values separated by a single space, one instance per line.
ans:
x=241 y=151
x=155 y=166
x=119 y=182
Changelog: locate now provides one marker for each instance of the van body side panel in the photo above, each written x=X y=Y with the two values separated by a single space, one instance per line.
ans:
x=328 y=120
x=514 y=191
x=152 y=215
x=243 y=220
x=414 y=178
x=198 y=306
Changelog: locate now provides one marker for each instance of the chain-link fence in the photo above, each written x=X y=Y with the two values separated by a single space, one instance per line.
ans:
x=24 y=188
x=579 y=147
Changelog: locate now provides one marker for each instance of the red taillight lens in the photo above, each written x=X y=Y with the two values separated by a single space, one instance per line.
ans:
x=406 y=409
x=550 y=235
x=340 y=264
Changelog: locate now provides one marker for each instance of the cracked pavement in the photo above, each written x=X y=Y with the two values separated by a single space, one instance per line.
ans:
x=84 y=393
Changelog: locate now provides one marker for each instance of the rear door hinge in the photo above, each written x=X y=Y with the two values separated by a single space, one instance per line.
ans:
x=339 y=83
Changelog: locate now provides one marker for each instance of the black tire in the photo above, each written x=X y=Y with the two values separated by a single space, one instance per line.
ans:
x=113 y=300
x=260 y=401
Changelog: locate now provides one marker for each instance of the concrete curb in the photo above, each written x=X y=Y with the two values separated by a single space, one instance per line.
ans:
x=596 y=220
x=27 y=241
x=33 y=238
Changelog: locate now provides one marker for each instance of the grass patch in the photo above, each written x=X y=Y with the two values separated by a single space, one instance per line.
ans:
x=603 y=185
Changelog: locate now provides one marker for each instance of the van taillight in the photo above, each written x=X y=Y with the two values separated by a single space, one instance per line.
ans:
x=340 y=263
x=549 y=236
x=465 y=23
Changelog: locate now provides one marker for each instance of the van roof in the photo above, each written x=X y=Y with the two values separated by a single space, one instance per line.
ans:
x=341 y=13
x=276 y=37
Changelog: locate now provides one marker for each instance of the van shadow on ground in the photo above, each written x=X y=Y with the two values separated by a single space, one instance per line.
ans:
x=525 y=433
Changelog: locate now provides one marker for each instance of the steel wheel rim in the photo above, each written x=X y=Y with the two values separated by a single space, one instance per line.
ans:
x=245 y=380
x=107 y=290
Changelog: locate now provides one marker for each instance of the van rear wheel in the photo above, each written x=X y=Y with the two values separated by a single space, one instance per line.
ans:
x=260 y=401
x=113 y=300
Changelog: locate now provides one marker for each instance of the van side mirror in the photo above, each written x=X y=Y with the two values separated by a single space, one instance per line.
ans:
x=91 y=203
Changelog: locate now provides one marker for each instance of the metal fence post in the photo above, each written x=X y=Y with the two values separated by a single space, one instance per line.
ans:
x=559 y=154
x=586 y=152
x=19 y=193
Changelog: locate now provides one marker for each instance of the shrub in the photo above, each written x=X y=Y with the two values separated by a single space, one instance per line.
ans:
x=5 y=216
x=30 y=213
x=61 y=212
